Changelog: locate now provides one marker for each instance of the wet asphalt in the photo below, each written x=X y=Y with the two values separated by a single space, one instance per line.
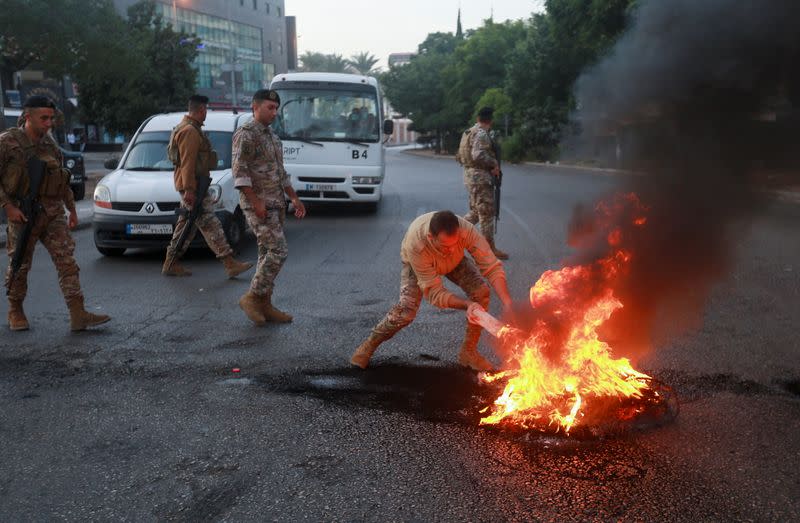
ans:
x=144 y=419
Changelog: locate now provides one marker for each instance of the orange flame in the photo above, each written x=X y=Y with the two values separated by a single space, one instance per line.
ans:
x=561 y=367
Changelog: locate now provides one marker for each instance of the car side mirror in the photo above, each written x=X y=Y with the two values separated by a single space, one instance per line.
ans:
x=111 y=163
x=388 y=127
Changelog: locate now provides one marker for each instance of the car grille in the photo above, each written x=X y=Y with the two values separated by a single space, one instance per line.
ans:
x=127 y=206
x=167 y=206
x=323 y=194
x=320 y=180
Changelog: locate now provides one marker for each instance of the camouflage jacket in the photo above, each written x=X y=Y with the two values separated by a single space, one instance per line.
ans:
x=482 y=159
x=258 y=163
x=15 y=150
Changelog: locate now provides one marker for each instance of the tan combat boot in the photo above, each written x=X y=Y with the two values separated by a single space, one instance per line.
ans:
x=80 y=318
x=469 y=356
x=500 y=255
x=272 y=314
x=251 y=304
x=364 y=352
x=16 y=316
x=234 y=267
x=173 y=268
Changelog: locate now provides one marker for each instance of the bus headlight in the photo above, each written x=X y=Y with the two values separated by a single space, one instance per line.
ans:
x=367 y=180
x=215 y=192
x=102 y=197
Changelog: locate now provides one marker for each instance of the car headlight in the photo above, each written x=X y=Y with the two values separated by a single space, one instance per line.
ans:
x=102 y=197
x=367 y=180
x=215 y=192
x=70 y=163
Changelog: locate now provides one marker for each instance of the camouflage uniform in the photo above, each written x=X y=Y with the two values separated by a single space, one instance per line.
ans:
x=258 y=163
x=51 y=224
x=478 y=180
x=185 y=173
x=465 y=275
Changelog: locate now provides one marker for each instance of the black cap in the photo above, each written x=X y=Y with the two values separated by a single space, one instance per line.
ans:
x=37 y=101
x=198 y=99
x=266 y=94
x=485 y=114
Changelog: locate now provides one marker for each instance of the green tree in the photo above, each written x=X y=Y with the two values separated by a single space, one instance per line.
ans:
x=497 y=99
x=312 y=61
x=146 y=68
x=364 y=63
x=558 y=45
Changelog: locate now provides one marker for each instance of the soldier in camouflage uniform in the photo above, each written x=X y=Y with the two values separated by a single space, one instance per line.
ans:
x=262 y=181
x=433 y=247
x=17 y=146
x=190 y=150
x=480 y=166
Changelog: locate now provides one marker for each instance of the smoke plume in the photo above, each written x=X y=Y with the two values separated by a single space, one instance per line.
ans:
x=696 y=96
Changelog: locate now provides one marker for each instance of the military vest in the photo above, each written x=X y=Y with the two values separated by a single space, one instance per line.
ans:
x=207 y=157
x=15 y=178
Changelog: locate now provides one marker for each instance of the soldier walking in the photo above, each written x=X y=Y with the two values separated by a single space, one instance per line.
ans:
x=262 y=181
x=480 y=167
x=433 y=247
x=18 y=146
x=190 y=150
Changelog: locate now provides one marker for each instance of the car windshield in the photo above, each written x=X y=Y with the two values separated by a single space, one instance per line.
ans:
x=149 y=151
x=322 y=115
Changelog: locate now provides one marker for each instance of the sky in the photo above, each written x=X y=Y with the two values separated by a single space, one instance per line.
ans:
x=381 y=27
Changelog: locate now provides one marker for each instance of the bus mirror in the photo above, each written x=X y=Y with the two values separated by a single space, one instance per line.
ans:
x=388 y=127
x=111 y=163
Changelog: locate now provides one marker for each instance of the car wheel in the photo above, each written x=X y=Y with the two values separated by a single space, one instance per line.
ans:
x=111 y=251
x=79 y=191
x=235 y=230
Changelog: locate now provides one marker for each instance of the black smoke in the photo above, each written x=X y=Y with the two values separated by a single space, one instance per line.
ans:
x=698 y=97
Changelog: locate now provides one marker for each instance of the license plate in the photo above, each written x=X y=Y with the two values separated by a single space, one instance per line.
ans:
x=149 y=228
x=320 y=187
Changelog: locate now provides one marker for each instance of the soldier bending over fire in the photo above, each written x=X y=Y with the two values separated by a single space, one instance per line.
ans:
x=434 y=247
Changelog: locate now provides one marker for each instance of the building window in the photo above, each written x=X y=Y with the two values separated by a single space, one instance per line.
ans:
x=269 y=46
x=267 y=7
x=241 y=3
x=279 y=11
x=280 y=48
x=255 y=5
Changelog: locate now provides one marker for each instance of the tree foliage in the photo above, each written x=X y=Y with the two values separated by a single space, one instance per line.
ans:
x=312 y=61
x=125 y=70
x=527 y=67
x=146 y=69
x=363 y=63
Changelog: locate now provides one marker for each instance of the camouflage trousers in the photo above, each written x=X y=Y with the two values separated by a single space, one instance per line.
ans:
x=465 y=275
x=208 y=224
x=51 y=230
x=481 y=209
x=272 y=248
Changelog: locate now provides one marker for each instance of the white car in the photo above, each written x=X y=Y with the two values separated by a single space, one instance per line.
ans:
x=134 y=206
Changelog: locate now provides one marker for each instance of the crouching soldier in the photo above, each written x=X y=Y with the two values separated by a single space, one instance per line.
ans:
x=32 y=180
x=433 y=247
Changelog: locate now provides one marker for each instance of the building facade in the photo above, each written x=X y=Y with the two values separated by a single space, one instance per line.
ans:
x=244 y=43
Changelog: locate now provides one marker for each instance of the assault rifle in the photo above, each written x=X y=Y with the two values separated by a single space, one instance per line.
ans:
x=30 y=207
x=203 y=182
x=497 y=181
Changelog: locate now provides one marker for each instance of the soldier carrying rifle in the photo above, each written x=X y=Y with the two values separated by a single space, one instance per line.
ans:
x=190 y=150
x=481 y=175
x=34 y=189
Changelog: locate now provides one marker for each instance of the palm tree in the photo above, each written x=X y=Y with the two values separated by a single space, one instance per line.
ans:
x=363 y=63
x=335 y=63
x=312 y=61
